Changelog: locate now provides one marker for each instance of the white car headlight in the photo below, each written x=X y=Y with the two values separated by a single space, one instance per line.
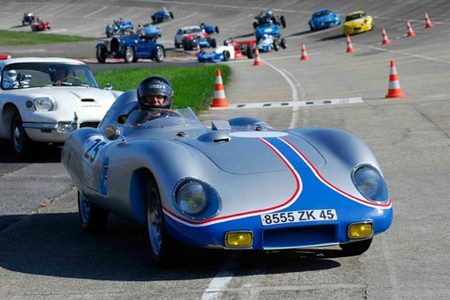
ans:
x=44 y=103
x=370 y=183
x=197 y=200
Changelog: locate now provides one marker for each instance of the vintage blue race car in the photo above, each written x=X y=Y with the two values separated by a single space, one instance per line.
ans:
x=209 y=28
x=237 y=184
x=324 y=18
x=131 y=48
x=119 y=27
x=161 y=15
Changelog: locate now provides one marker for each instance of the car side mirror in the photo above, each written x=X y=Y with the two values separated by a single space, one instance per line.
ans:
x=108 y=86
x=112 y=132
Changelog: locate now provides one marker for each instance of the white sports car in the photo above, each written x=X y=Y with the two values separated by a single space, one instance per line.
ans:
x=45 y=99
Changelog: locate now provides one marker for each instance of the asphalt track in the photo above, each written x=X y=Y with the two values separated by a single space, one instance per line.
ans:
x=44 y=255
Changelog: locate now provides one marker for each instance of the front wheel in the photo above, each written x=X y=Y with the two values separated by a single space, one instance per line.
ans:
x=283 y=43
x=93 y=218
x=160 y=54
x=101 y=54
x=217 y=29
x=130 y=55
x=283 y=21
x=356 y=248
x=171 y=15
x=20 y=142
x=226 y=55
x=162 y=247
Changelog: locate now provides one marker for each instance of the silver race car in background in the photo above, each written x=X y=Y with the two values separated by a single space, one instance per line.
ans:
x=239 y=184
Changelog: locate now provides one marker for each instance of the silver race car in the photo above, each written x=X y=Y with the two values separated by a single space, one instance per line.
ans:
x=238 y=184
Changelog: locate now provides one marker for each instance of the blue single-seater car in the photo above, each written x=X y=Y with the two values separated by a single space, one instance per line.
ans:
x=268 y=43
x=269 y=29
x=209 y=28
x=131 y=48
x=324 y=18
x=238 y=184
x=161 y=15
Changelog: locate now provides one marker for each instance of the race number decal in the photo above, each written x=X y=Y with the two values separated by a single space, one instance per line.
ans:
x=299 y=216
x=92 y=146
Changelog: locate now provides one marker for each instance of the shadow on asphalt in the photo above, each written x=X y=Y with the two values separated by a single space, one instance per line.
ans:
x=54 y=245
x=40 y=154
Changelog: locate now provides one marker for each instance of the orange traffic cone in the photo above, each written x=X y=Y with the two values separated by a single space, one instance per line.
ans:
x=410 y=30
x=257 y=61
x=219 y=100
x=350 y=48
x=386 y=39
x=428 y=23
x=304 y=55
x=394 y=90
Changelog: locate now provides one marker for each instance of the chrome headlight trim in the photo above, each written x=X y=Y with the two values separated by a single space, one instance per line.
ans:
x=44 y=103
x=370 y=183
x=196 y=199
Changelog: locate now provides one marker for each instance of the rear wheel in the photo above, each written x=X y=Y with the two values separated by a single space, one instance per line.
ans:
x=213 y=43
x=101 y=54
x=217 y=29
x=283 y=21
x=93 y=218
x=163 y=248
x=356 y=248
x=20 y=142
x=171 y=15
x=226 y=55
x=130 y=54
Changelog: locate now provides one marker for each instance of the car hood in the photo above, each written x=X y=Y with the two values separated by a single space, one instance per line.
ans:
x=248 y=152
x=76 y=96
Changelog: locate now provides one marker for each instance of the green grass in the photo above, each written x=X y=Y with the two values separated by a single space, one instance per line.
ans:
x=193 y=86
x=10 y=38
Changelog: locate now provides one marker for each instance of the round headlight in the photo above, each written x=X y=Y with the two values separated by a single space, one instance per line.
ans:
x=44 y=103
x=196 y=199
x=370 y=183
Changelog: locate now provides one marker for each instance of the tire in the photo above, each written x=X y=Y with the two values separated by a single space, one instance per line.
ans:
x=171 y=15
x=213 y=43
x=20 y=142
x=255 y=24
x=226 y=55
x=93 y=218
x=217 y=29
x=176 y=45
x=130 y=54
x=160 y=54
x=283 y=21
x=101 y=54
x=356 y=248
x=162 y=247
x=153 y=20
x=186 y=46
x=283 y=43
x=276 y=47
x=250 y=52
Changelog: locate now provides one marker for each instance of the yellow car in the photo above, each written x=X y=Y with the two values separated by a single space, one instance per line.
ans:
x=357 y=22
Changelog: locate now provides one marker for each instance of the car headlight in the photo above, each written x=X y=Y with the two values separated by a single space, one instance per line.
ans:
x=196 y=200
x=370 y=183
x=44 y=103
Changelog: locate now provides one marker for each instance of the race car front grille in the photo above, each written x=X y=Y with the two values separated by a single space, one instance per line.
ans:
x=89 y=124
x=303 y=236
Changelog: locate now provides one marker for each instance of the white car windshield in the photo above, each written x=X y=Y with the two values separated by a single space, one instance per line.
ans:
x=41 y=74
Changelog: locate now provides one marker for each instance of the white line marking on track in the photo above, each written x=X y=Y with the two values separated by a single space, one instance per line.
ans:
x=96 y=11
x=220 y=281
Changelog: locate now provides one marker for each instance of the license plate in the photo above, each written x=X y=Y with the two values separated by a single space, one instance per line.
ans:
x=298 y=216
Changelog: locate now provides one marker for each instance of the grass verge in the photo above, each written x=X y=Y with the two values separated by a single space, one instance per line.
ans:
x=11 y=38
x=193 y=86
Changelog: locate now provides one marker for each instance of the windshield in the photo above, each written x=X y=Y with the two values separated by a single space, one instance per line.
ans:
x=31 y=75
x=355 y=16
x=321 y=13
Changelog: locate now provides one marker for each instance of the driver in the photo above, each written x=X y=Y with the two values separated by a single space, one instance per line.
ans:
x=155 y=96
x=10 y=79
x=58 y=74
